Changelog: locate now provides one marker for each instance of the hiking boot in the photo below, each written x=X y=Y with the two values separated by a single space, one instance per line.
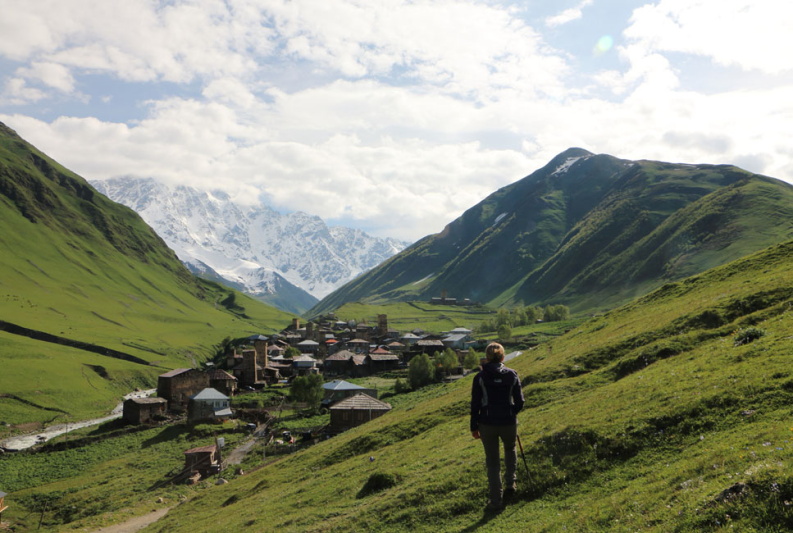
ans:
x=510 y=490
x=493 y=507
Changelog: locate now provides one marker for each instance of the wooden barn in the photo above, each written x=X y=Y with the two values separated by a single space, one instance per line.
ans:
x=354 y=411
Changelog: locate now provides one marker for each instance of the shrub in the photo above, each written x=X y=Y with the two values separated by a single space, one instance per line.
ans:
x=747 y=335
x=400 y=386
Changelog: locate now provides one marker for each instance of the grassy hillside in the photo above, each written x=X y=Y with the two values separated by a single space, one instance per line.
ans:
x=81 y=271
x=589 y=231
x=407 y=316
x=663 y=415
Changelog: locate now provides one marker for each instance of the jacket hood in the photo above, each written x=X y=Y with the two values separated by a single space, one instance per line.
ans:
x=495 y=368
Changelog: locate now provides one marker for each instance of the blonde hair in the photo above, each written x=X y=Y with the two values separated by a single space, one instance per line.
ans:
x=494 y=352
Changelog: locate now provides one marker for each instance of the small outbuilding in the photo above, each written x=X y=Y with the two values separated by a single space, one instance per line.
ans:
x=144 y=410
x=356 y=410
x=202 y=462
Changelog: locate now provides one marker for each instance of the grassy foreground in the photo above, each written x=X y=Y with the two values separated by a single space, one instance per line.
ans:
x=652 y=417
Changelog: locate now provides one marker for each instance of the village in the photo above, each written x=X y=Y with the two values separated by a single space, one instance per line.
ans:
x=331 y=349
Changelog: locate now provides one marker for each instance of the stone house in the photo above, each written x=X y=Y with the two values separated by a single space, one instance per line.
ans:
x=222 y=381
x=144 y=410
x=178 y=385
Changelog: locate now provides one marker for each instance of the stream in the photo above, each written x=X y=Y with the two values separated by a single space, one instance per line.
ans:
x=22 y=442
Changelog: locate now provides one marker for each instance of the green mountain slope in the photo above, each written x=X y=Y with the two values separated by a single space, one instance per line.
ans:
x=664 y=415
x=590 y=231
x=85 y=280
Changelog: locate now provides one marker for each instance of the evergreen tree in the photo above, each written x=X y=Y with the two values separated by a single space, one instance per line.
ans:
x=292 y=352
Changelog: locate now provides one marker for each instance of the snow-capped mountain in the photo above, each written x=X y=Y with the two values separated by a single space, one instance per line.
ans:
x=254 y=248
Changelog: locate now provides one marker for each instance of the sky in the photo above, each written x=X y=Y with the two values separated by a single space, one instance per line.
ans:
x=393 y=116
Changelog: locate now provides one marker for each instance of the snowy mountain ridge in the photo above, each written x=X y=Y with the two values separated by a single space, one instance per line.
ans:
x=254 y=248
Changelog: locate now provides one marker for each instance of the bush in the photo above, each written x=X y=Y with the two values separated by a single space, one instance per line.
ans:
x=400 y=386
x=747 y=335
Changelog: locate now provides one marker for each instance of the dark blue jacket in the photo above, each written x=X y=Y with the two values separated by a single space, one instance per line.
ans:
x=496 y=396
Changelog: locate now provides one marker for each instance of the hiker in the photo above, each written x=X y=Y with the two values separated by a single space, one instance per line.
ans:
x=496 y=398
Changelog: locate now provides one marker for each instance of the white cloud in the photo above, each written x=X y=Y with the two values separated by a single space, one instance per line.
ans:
x=396 y=114
x=50 y=74
x=17 y=92
x=568 y=15
x=744 y=33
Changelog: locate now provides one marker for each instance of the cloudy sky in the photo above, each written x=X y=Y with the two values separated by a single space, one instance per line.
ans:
x=393 y=116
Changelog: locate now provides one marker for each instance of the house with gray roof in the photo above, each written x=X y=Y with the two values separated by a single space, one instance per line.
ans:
x=209 y=404
x=338 y=390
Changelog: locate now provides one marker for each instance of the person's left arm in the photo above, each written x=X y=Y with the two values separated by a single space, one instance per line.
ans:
x=517 y=395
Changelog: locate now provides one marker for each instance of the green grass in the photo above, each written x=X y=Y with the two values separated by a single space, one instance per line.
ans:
x=406 y=316
x=81 y=268
x=103 y=475
x=640 y=419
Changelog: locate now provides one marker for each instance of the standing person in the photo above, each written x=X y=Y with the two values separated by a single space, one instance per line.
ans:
x=496 y=398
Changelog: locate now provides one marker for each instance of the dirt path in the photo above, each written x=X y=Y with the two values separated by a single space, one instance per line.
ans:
x=134 y=524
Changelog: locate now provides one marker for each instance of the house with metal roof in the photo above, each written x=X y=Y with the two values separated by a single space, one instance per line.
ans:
x=338 y=390
x=209 y=404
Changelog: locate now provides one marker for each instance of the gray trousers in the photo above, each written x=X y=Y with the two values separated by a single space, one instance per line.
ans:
x=491 y=437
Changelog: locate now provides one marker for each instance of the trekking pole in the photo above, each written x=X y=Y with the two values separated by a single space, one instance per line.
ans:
x=520 y=445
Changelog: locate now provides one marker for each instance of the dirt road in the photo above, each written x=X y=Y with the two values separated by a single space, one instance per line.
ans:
x=134 y=524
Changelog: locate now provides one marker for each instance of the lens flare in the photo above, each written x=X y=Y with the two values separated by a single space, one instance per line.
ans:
x=604 y=44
